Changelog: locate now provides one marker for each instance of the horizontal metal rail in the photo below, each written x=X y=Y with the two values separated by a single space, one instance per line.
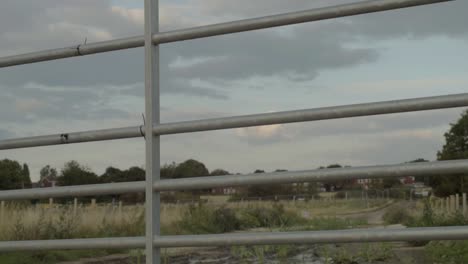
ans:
x=383 y=171
x=250 y=239
x=358 y=8
x=314 y=114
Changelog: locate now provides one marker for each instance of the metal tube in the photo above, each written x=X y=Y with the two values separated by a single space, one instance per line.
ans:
x=75 y=137
x=314 y=114
x=383 y=171
x=73 y=191
x=152 y=198
x=89 y=243
x=320 y=175
x=325 y=113
x=218 y=29
x=324 y=13
x=312 y=237
x=254 y=238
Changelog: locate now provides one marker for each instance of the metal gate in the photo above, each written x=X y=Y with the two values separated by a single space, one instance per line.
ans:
x=152 y=131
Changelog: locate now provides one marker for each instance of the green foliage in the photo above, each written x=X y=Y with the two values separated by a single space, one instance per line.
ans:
x=116 y=175
x=456 y=147
x=190 y=168
x=75 y=174
x=333 y=223
x=219 y=172
x=451 y=252
x=397 y=215
x=200 y=219
x=13 y=175
x=47 y=172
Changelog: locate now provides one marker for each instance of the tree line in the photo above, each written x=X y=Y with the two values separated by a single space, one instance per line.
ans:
x=14 y=175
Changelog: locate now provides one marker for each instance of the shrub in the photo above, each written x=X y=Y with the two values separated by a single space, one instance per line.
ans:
x=200 y=219
x=397 y=215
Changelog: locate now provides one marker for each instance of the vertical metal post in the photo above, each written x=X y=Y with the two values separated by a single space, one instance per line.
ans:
x=152 y=213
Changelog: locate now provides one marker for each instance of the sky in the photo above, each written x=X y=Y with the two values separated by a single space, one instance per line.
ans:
x=416 y=52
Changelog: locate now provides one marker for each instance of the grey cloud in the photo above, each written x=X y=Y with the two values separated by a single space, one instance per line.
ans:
x=4 y=134
x=28 y=104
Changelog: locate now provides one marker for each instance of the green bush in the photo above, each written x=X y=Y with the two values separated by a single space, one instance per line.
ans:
x=200 y=219
x=455 y=252
x=397 y=215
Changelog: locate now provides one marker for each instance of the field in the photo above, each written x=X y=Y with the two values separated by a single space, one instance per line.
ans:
x=26 y=222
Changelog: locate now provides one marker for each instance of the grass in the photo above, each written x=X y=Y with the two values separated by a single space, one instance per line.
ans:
x=25 y=222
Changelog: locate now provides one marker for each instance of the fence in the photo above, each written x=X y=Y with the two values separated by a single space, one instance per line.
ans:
x=152 y=130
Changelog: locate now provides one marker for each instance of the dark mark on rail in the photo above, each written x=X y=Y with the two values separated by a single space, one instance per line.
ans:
x=64 y=138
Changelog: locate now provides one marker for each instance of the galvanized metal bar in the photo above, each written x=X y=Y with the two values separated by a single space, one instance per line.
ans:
x=320 y=175
x=313 y=237
x=75 y=137
x=152 y=198
x=73 y=191
x=314 y=114
x=371 y=172
x=325 y=113
x=217 y=29
x=343 y=10
x=251 y=238
x=73 y=51
x=88 y=243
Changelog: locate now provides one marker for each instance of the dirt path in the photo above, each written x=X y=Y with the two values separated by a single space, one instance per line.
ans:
x=374 y=217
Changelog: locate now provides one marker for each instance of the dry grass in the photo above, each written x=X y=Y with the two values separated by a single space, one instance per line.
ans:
x=61 y=221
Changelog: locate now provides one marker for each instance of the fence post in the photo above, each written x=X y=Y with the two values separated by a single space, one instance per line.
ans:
x=51 y=202
x=464 y=203
x=447 y=204
x=457 y=202
x=452 y=203
x=75 y=205
x=346 y=196
x=2 y=209
x=93 y=202
x=120 y=208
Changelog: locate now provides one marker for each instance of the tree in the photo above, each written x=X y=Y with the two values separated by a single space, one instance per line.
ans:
x=26 y=178
x=47 y=172
x=168 y=170
x=12 y=175
x=111 y=174
x=219 y=172
x=75 y=174
x=190 y=168
x=455 y=147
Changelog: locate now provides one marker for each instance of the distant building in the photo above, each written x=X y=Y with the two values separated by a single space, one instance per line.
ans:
x=408 y=180
x=225 y=190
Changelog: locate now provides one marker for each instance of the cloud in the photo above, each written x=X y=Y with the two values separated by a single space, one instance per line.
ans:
x=4 y=134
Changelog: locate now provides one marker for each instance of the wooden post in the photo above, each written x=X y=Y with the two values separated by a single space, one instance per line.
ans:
x=452 y=203
x=120 y=208
x=93 y=202
x=75 y=206
x=457 y=202
x=367 y=200
x=51 y=202
x=447 y=204
x=346 y=196
x=2 y=209
x=464 y=203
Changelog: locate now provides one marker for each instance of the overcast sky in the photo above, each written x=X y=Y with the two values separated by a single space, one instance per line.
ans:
x=409 y=53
